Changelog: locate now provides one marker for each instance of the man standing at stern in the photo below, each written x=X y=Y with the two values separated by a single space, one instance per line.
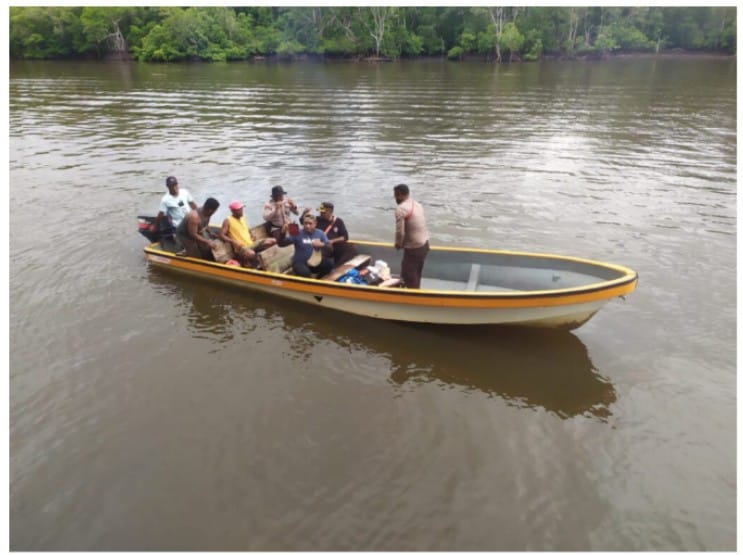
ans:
x=411 y=235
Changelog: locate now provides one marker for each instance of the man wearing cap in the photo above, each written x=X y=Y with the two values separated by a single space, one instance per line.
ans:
x=277 y=212
x=194 y=234
x=235 y=230
x=336 y=231
x=175 y=204
x=411 y=235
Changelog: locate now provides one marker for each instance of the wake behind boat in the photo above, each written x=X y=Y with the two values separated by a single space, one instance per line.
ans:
x=464 y=286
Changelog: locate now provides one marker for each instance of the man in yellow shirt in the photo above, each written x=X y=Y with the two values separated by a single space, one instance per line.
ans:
x=236 y=232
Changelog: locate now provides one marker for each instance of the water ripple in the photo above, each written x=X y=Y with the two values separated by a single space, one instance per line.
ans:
x=245 y=422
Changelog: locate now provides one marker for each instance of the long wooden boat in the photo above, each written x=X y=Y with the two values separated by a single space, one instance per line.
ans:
x=465 y=286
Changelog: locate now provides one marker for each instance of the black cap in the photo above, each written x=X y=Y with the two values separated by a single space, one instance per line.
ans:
x=277 y=191
x=170 y=181
x=328 y=205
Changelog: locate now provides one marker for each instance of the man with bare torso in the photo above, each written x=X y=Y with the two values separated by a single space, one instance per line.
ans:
x=194 y=234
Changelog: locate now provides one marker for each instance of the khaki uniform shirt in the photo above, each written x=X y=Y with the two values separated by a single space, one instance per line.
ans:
x=410 y=225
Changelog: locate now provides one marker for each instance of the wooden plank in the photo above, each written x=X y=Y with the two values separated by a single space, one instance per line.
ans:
x=276 y=259
x=259 y=232
x=223 y=251
x=356 y=262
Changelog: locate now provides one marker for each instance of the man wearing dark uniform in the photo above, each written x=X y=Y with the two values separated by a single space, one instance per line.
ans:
x=336 y=231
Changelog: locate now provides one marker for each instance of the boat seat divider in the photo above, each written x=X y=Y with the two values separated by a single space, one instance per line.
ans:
x=474 y=277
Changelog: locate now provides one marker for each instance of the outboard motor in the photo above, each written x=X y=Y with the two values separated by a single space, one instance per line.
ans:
x=165 y=230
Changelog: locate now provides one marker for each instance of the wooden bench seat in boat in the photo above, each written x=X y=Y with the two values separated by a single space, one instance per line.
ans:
x=358 y=261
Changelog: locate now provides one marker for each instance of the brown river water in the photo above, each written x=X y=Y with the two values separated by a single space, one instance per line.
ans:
x=150 y=411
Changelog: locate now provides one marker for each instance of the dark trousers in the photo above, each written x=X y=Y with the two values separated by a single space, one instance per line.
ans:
x=325 y=267
x=412 y=266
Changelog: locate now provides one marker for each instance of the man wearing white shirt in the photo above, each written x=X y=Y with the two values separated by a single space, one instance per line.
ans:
x=175 y=204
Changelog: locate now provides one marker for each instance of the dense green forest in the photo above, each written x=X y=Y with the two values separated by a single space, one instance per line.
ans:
x=166 y=34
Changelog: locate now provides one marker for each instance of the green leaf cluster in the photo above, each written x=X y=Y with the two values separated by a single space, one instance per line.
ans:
x=171 y=34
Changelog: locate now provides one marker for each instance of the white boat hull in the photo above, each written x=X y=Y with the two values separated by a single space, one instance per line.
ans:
x=506 y=308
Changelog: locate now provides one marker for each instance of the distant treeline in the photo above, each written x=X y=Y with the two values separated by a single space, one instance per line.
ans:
x=167 y=34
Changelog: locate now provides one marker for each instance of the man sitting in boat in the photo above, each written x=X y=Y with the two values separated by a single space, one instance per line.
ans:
x=235 y=231
x=308 y=258
x=194 y=234
x=174 y=206
x=337 y=233
x=277 y=212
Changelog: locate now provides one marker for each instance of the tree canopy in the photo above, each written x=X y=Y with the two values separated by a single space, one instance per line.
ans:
x=169 y=34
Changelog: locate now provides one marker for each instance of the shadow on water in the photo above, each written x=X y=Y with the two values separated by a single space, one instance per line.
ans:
x=530 y=368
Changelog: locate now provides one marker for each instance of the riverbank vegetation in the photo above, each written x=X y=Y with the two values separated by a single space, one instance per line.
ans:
x=169 y=34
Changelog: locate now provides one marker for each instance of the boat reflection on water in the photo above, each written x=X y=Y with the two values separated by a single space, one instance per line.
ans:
x=548 y=369
x=526 y=367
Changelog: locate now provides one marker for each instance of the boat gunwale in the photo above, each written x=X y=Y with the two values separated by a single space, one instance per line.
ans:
x=623 y=284
x=566 y=258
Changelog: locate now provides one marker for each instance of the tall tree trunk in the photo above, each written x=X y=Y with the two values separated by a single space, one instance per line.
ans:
x=497 y=19
x=117 y=41
x=573 y=32
x=379 y=17
x=344 y=23
x=718 y=42
x=379 y=14
x=318 y=21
